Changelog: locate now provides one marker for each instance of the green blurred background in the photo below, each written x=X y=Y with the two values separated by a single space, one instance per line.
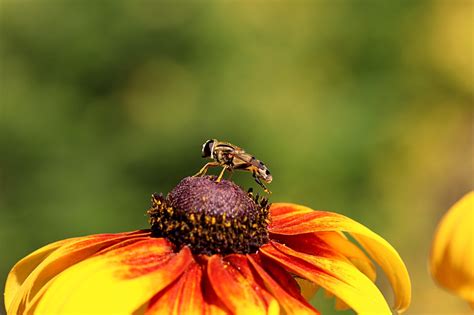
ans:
x=356 y=107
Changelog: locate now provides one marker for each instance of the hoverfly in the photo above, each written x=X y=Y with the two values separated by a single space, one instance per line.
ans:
x=231 y=158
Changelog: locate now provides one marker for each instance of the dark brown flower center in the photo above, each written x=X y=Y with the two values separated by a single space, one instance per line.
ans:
x=210 y=217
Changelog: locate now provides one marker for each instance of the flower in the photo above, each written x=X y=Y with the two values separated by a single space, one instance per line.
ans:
x=452 y=252
x=212 y=248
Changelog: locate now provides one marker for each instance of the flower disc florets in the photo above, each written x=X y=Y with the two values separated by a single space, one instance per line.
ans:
x=211 y=217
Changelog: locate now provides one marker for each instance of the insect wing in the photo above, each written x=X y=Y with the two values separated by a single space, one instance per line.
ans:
x=243 y=160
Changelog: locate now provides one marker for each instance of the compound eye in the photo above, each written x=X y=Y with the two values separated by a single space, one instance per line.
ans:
x=206 y=148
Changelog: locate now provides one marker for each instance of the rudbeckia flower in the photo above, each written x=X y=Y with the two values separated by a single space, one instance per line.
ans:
x=452 y=253
x=212 y=249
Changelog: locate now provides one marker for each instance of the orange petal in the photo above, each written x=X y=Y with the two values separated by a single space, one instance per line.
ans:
x=31 y=274
x=336 y=276
x=291 y=304
x=452 y=254
x=281 y=276
x=283 y=210
x=242 y=264
x=119 y=281
x=182 y=297
x=213 y=304
x=239 y=294
x=314 y=243
x=305 y=220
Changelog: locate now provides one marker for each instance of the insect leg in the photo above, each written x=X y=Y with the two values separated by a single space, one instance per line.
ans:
x=260 y=183
x=203 y=170
x=231 y=171
x=222 y=173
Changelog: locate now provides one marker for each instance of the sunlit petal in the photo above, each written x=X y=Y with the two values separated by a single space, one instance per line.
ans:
x=335 y=275
x=242 y=264
x=239 y=294
x=119 y=281
x=296 y=287
x=284 y=210
x=336 y=245
x=339 y=242
x=290 y=303
x=25 y=267
x=213 y=305
x=68 y=253
x=452 y=255
x=311 y=243
x=306 y=220
x=181 y=297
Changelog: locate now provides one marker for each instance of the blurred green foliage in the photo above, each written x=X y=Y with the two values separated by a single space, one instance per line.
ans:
x=357 y=107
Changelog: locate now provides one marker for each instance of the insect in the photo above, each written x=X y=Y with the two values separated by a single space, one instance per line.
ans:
x=231 y=158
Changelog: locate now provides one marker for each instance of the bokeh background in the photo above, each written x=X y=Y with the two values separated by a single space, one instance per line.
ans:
x=356 y=106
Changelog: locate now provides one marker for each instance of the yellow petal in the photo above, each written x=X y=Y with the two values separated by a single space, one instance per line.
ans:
x=336 y=276
x=306 y=220
x=452 y=254
x=315 y=244
x=66 y=253
x=308 y=288
x=119 y=281
x=25 y=267
x=341 y=244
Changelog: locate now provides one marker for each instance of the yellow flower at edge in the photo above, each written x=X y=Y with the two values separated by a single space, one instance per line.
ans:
x=452 y=253
x=212 y=249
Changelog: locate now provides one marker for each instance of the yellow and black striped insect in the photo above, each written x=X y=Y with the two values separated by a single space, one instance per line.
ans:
x=231 y=158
